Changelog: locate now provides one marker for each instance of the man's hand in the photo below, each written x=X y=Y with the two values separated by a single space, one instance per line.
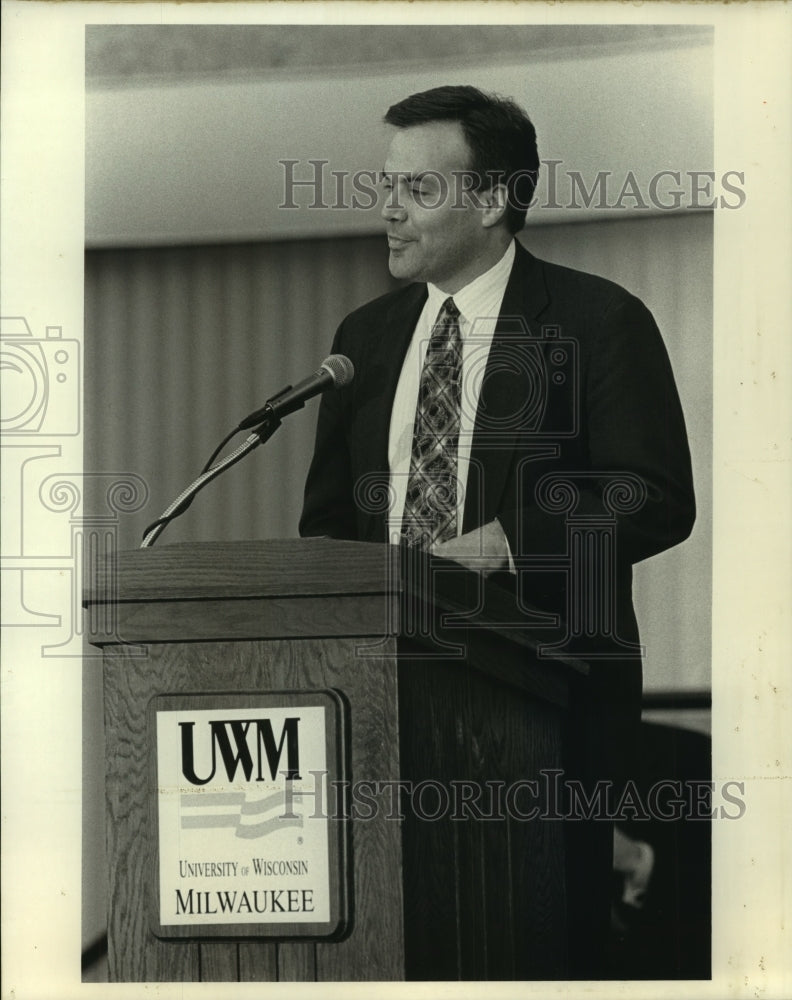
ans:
x=484 y=550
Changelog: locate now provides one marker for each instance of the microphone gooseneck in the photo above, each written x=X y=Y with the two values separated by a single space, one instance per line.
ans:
x=334 y=372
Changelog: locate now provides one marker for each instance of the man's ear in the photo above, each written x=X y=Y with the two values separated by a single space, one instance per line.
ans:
x=493 y=204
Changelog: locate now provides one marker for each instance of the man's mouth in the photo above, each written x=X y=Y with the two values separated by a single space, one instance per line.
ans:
x=396 y=243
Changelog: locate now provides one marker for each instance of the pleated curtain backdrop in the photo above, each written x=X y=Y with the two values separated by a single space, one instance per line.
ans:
x=182 y=342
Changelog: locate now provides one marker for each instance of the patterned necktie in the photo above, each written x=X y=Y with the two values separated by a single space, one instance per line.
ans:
x=430 y=509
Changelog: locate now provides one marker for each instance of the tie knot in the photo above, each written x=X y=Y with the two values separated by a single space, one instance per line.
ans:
x=448 y=310
x=445 y=336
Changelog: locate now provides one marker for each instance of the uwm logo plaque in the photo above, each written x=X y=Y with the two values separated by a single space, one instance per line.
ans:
x=242 y=842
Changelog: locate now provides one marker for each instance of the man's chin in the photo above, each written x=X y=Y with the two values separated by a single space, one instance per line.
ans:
x=397 y=267
x=400 y=268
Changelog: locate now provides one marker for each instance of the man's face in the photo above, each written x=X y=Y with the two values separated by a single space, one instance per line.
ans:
x=434 y=232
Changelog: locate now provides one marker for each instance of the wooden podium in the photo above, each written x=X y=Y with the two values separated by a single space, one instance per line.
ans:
x=444 y=876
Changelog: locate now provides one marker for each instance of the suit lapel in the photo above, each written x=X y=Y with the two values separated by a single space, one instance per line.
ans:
x=389 y=345
x=503 y=392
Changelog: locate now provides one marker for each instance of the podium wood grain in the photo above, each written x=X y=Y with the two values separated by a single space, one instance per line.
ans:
x=370 y=688
x=454 y=897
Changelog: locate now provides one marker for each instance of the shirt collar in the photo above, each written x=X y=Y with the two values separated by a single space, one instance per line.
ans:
x=482 y=297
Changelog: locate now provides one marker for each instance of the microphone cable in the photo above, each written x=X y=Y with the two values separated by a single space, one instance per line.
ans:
x=186 y=497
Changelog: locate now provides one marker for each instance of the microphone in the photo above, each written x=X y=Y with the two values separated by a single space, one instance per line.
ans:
x=334 y=372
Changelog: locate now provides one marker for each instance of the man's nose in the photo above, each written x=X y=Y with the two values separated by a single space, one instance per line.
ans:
x=392 y=210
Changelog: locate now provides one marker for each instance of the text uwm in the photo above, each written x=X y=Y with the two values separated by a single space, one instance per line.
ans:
x=246 y=745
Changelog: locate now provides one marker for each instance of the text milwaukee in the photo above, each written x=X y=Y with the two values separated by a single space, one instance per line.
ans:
x=207 y=903
x=245 y=744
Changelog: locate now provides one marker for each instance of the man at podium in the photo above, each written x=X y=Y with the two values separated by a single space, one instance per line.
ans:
x=517 y=417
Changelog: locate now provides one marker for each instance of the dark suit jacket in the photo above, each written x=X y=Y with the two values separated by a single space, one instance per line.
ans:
x=578 y=383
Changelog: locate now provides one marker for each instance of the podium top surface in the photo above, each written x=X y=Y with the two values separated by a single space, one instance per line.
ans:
x=280 y=567
x=185 y=574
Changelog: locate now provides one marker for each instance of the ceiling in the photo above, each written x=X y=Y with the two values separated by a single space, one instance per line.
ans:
x=117 y=55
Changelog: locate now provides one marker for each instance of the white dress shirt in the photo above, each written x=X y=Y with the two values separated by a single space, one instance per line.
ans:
x=479 y=304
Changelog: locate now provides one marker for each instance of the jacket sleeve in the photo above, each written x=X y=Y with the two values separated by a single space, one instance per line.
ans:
x=633 y=432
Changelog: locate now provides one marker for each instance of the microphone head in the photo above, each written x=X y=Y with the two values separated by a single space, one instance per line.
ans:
x=341 y=369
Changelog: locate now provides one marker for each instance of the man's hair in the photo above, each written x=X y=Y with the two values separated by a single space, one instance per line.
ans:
x=501 y=138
